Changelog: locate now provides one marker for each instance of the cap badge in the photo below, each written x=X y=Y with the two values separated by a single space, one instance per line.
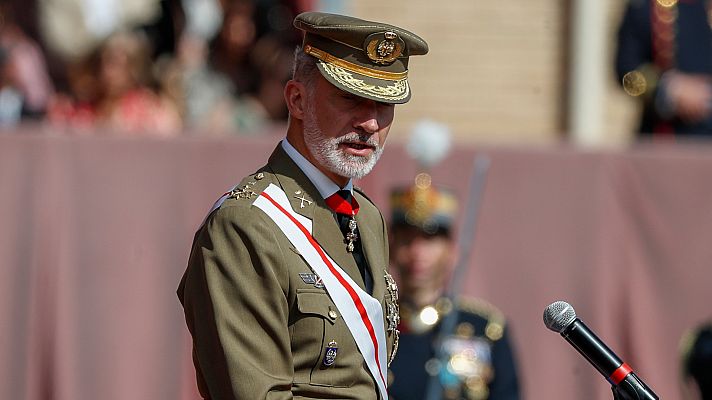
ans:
x=384 y=47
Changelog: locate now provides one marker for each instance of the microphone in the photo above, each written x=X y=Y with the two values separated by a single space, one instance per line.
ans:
x=560 y=317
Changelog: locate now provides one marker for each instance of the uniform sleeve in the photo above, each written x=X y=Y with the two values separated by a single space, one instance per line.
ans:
x=634 y=42
x=236 y=308
x=505 y=385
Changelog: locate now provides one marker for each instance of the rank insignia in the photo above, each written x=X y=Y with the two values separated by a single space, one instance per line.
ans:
x=244 y=192
x=330 y=356
x=312 y=279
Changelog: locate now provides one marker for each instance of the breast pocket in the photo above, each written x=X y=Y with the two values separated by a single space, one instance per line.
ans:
x=324 y=351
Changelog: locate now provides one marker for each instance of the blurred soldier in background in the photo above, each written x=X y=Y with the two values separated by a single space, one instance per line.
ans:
x=664 y=57
x=697 y=363
x=480 y=361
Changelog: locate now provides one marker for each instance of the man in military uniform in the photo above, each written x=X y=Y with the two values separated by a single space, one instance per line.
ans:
x=478 y=362
x=287 y=293
x=664 y=57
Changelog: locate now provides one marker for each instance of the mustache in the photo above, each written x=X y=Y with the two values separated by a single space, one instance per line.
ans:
x=366 y=138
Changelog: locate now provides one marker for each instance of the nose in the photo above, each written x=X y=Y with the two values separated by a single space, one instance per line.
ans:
x=417 y=246
x=366 y=118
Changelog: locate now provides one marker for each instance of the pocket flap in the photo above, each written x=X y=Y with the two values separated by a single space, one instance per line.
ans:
x=314 y=303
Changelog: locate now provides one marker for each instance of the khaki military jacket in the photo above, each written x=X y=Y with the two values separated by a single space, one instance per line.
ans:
x=260 y=321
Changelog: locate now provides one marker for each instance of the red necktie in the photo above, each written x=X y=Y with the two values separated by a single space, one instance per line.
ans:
x=346 y=207
x=343 y=203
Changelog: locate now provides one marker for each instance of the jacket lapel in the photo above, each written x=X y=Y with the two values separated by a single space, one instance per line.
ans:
x=325 y=229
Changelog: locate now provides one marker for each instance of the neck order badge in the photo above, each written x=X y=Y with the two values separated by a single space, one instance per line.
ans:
x=346 y=207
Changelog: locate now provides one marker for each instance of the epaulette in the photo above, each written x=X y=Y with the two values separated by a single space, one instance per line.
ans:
x=495 y=319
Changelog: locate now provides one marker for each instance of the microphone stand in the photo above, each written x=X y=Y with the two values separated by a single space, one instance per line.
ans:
x=480 y=167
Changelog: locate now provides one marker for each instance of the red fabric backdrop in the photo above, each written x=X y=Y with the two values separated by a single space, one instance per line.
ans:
x=96 y=233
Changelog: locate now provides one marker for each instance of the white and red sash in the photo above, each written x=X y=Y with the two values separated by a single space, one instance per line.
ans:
x=361 y=312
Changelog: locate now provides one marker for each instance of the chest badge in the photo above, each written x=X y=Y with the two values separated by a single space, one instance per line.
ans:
x=393 y=316
x=330 y=356
x=312 y=279
x=393 y=313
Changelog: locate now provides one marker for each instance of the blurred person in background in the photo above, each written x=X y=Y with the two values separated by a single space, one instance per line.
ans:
x=233 y=64
x=253 y=49
x=128 y=100
x=117 y=92
x=25 y=85
x=696 y=368
x=231 y=47
x=479 y=360
x=187 y=74
x=664 y=57
x=271 y=57
x=73 y=29
x=222 y=75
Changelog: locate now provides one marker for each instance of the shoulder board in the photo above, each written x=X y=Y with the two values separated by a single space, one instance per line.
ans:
x=495 y=319
x=248 y=189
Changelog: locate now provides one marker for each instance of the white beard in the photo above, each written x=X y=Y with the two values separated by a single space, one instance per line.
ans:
x=326 y=150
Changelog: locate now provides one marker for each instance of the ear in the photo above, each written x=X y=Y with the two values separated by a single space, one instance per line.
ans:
x=295 y=95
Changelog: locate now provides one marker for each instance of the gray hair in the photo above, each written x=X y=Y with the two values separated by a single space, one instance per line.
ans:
x=304 y=69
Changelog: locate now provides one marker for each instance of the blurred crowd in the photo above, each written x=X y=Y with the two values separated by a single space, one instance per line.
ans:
x=146 y=67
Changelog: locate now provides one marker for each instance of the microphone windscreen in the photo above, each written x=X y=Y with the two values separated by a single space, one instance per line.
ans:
x=558 y=315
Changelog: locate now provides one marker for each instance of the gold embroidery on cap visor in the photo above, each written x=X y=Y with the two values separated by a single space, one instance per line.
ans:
x=399 y=90
x=394 y=89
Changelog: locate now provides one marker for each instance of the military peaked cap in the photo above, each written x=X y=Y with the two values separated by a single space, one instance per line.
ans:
x=430 y=209
x=368 y=59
